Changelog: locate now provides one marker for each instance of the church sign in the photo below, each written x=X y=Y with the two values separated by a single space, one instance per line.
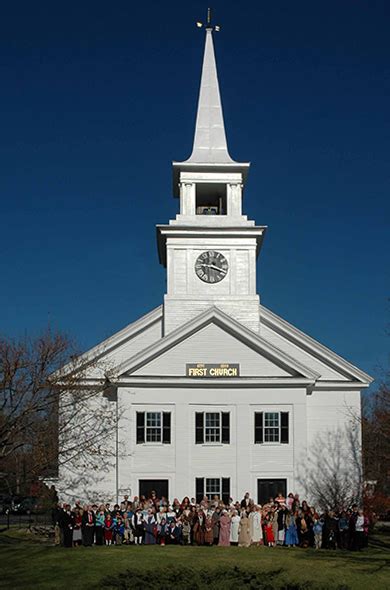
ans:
x=211 y=370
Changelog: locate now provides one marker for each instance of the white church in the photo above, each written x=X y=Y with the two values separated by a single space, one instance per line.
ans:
x=217 y=394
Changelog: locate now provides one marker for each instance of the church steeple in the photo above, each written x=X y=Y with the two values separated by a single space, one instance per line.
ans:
x=210 y=139
x=210 y=248
x=210 y=152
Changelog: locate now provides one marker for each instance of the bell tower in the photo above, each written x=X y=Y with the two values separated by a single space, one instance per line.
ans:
x=210 y=248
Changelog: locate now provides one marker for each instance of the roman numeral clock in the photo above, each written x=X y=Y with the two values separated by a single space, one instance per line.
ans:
x=211 y=266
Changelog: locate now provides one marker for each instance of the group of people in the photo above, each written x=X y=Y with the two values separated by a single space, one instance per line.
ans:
x=281 y=521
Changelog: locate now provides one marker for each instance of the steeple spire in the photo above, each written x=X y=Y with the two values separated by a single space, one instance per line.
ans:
x=210 y=153
x=210 y=144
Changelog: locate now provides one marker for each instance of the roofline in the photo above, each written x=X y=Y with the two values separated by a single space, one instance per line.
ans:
x=220 y=383
x=115 y=340
x=186 y=166
x=307 y=343
x=232 y=326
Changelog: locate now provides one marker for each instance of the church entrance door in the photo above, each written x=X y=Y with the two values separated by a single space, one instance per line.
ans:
x=270 y=488
x=160 y=486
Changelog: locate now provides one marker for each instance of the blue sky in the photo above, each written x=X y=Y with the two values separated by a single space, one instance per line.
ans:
x=98 y=98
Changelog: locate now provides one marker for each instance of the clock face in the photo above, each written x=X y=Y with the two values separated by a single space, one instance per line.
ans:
x=211 y=266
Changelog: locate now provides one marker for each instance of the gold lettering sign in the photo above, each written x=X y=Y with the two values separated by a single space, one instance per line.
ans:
x=225 y=370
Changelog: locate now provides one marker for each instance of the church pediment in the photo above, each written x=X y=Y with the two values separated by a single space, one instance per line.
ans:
x=213 y=338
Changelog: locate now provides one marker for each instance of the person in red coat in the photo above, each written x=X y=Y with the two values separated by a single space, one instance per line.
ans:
x=269 y=533
x=108 y=529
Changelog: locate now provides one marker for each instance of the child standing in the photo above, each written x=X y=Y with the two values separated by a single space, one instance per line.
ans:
x=269 y=533
x=119 y=531
x=186 y=531
x=317 y=530
x=108 y=529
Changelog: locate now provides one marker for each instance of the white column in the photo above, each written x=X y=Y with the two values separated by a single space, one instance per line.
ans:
x=234 y=199
x=187 y=198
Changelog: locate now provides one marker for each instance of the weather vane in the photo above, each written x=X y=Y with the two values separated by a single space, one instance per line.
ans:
x=208 y=25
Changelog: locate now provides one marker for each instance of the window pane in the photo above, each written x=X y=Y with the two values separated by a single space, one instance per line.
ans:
x=271 y=427
x=271 y=434
x=212 y=427
x=213 y=487
x=153 y=427
x=212 y=419
x=153 y=419
x=271 y=419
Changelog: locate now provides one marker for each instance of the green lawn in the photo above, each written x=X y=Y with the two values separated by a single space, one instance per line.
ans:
x=27 y=562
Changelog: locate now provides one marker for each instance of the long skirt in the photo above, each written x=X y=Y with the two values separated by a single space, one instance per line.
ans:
x=292 y=535
x=88 y=533
x=224 y=535
x=108 y=534
x=99 y=535
x=76 y=535
x=67 y=537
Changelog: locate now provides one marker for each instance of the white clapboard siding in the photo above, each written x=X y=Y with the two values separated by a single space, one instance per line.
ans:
x=115 y=357
x=326 y=372
x=212 y=344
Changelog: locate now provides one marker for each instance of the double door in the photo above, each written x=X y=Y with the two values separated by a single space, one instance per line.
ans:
x=270 y=488
x=160 y=486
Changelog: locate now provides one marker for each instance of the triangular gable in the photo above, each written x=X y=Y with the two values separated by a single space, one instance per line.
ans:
x=214 y=337
x=308 y=351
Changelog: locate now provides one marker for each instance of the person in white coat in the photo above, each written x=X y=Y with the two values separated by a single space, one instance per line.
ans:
x=235 y=525
x=256 y=531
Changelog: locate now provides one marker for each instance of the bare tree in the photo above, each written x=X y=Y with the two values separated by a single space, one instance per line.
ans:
x=50 y=413
x=333 y=475
x=376 y=436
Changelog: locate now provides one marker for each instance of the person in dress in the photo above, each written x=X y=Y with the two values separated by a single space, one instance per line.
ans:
x=234 y=528
x=224 y=530
x=281 y=520
x=108 y=529
x=186 y=531
x=304 y=529
x=255 y=526
x=198 y=528
x=208 y=529
x=269 y=532
x=244 y=535
x=215 y=519
x=291 y=532
x=77 y=522
x=150 y=528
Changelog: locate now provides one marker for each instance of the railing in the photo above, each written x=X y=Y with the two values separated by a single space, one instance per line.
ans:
x=11 y=519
